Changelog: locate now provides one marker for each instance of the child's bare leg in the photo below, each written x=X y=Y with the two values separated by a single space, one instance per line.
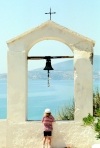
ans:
x=44 y=139
x=49 y=140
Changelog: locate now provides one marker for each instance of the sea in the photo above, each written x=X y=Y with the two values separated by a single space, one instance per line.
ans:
x=40 y=97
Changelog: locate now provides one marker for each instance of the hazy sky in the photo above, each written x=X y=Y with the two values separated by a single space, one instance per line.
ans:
x=18 y=16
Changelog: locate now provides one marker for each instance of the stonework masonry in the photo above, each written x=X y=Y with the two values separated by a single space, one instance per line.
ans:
x=15 y=131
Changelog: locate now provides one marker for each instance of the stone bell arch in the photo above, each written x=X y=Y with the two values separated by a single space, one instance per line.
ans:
x=21 y=133
x=19 y=47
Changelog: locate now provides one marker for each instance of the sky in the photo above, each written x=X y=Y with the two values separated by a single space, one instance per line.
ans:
x=19 y=16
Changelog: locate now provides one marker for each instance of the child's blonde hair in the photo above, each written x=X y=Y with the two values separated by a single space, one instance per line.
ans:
x=47 y=114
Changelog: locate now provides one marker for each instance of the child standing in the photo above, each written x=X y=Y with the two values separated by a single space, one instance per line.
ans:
x=47 y=121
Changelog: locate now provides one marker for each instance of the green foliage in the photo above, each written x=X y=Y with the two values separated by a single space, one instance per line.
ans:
x=66 y=112
x=96 y=103
x=93 y=122
x=97 y=112
x=89 y=120
x=97 y=128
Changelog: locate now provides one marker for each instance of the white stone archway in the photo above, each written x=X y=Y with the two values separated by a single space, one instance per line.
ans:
x=19 y=47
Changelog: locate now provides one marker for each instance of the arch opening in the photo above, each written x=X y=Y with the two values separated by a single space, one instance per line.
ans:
x=61 y=91
x=44 y=39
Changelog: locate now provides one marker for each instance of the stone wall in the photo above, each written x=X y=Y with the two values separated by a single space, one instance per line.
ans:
x=30 y=135
x=3 y=133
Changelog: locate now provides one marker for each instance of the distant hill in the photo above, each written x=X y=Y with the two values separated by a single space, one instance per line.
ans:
x=68 y=65
x=62 y=71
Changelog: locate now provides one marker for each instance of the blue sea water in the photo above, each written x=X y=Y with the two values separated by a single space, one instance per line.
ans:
x=3 y=99
x=40 y=96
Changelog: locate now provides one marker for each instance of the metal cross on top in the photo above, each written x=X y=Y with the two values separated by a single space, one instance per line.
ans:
x=50 y=13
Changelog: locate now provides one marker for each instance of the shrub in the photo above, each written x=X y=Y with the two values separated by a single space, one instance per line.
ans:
x=94 y=123
x=66 y=112
x=96 y=103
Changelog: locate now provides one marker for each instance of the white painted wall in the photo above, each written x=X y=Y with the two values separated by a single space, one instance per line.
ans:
x=29 y=135
x=23 y=134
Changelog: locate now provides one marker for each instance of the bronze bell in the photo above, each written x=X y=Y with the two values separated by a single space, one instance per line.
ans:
x=48 y=65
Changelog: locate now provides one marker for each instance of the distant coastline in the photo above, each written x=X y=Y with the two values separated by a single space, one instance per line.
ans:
x=62 y=71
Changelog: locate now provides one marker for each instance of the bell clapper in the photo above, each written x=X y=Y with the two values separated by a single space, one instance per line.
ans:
x=48 y=79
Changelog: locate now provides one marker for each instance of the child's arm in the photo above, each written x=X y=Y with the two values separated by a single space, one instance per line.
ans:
x=42 y=119
x=53 y=119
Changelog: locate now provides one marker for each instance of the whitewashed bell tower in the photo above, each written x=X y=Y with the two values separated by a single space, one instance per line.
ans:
x=21 y=133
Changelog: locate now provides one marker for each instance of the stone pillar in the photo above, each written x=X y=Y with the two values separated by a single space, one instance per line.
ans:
x=17 y=86
x=83 y=86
